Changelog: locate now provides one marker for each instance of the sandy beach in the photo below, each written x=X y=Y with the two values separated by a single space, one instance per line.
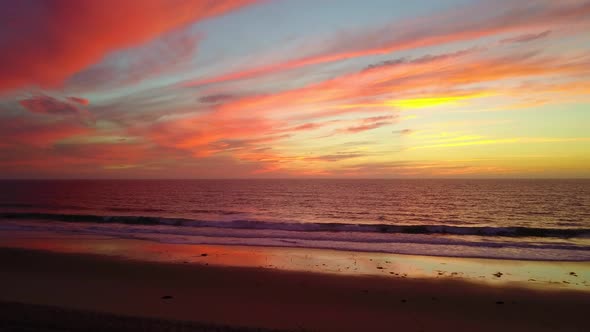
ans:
x=278 y=299
x=255 y=165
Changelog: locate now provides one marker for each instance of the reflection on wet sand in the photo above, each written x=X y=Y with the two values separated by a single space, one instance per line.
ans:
x=536 y=274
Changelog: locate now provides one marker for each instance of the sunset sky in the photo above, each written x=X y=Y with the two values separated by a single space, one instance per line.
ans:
x=294 y=88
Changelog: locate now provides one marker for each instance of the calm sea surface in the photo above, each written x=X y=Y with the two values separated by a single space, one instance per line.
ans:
x=521 y=219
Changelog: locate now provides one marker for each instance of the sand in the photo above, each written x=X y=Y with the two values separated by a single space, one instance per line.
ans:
x=279 y=299
x=499 y=272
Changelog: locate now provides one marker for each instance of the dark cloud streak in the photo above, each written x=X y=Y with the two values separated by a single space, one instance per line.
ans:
x=526 y=38
x=43 y=104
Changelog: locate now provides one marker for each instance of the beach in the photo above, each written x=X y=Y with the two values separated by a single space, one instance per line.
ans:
x=83 y=256
x=210 y=295
x=253 y=165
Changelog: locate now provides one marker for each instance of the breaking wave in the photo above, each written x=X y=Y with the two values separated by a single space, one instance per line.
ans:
x=490 y=231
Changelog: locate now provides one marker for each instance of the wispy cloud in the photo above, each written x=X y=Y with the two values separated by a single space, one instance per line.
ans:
x=53 y=40
x=49 y=105
x=336 y=156
x=527 y=37
x=104 y=88
x=370 y=123
x=472 y=22
x=403 y=132
x=462 y=141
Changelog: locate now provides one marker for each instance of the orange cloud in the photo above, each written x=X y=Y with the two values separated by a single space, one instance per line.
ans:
x=444 y=29
x=245 y=122
x=406 y=84
x=207 y=134
x=46 y=44
x=81 y=101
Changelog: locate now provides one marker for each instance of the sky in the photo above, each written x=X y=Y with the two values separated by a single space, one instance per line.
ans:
x=294 y=89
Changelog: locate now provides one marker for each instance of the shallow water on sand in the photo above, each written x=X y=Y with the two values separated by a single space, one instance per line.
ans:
x=530 y=274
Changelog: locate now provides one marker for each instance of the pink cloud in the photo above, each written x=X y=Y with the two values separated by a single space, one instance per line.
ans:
x=38 y=132
x=168 y=54
x=472 y=22
x=51 y=41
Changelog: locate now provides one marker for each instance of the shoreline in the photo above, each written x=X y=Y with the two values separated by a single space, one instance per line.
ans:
x=503 y=243
x=65 y=234
x=524 y=273
x=279 y=299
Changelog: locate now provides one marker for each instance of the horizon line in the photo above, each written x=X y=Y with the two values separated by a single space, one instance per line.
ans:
x=301 y=178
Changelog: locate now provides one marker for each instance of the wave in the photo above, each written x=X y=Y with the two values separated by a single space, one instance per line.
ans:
x=516 y=231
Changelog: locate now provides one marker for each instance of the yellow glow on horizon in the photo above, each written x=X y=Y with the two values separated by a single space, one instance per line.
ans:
x=425 y=102
x=473 y=140
x=414 y=103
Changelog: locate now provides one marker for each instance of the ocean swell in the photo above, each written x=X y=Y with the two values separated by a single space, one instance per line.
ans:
x=487 y=231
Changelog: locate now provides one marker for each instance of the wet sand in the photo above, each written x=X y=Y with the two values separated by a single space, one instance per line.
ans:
x=529 y=274
x=279 y=299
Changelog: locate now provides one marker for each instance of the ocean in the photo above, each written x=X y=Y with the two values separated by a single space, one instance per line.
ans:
x=510 y=219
